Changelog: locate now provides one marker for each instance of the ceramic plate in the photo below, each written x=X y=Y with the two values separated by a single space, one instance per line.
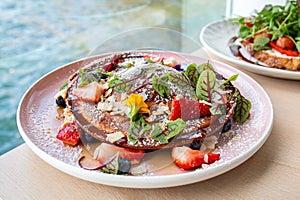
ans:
x=37 y=123
x=215 y=38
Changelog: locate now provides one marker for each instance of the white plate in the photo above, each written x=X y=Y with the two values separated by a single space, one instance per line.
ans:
x=215 y=37
x=37 y=123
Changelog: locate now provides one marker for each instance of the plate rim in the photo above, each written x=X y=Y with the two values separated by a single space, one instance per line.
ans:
x=160 y=181
x=271 y=72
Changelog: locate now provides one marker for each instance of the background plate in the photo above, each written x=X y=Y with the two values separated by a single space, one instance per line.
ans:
x=215 y=37
x=37 y=123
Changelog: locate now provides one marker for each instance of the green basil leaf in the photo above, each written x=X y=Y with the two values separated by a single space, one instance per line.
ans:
x=138 y=129
x=243 y=107
x=175 y=127
x=112 y=166
x=231 y=78
x=157 y=134
x=260 y=43
x=192 y=73
x=205 y=85
x=161 y=86
x=183 y=83
x=120 y=84
x=218 y=109
x=64 y=85
x=87 y=77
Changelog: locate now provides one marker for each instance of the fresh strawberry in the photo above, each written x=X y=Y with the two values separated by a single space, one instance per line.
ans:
x=187 y=158
x=90 y=92
x=188 y=109
x=68 y=133
x=106 y=151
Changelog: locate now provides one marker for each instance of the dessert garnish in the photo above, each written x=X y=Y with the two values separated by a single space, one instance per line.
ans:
x=135 y=103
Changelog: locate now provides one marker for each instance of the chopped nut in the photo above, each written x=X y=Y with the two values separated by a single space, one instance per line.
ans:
x=108 y=92
x=103 y=106
x=114 y=136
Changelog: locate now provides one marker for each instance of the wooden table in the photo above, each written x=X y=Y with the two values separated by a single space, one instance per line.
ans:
x=272 y=173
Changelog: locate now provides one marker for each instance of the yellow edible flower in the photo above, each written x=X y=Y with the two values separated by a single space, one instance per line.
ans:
x=137 y=105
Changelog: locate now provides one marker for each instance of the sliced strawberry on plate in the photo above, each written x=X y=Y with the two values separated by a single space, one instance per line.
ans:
x=176 y=110
x=68 y=133
x=90 y=92
x=105 y=151
x=188 y=109
x=187 y=158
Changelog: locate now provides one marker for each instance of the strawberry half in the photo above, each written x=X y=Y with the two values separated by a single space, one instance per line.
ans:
x=68 y=133
x=90 y=92
x=188 y=109
x=187 y=158
x=106 y=151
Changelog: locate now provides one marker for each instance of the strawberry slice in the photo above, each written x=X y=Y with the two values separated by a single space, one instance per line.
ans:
x=90 y=92
x=105 y=151
x=188 y=109
x=187 y=158
x=68 y=133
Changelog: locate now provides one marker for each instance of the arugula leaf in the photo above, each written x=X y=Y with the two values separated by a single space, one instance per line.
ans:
x=161 y=86
x=276 y=20
x=138 y=129
x=243 y=107
x=120 y=84
x=205 y=85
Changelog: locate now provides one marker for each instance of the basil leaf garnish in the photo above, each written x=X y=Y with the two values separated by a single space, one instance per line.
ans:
x=161 y=86
x=231 y=78
x=87 y=77
x=112 y=166
x=242 y=108
x=183 y=83
x=64 y=85
x=174 y=128
x=138 y=129
x=120 y=84
x=205 y=85
x=157 y=134
x=193 y=73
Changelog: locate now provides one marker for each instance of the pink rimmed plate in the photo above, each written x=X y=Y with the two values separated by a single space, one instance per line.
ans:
x=37 y=123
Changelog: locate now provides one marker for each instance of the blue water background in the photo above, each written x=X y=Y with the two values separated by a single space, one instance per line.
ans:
x=39 y=36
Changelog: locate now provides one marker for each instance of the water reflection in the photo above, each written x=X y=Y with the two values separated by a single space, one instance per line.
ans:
x=39 y=36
